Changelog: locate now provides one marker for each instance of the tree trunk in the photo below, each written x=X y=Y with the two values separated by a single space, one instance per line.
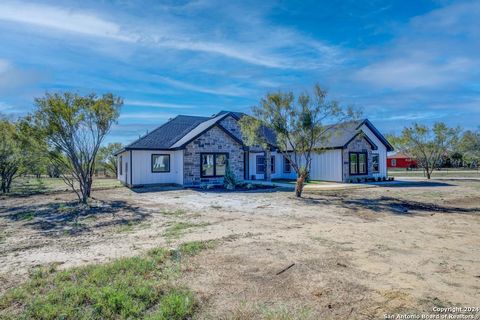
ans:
x=300 y=183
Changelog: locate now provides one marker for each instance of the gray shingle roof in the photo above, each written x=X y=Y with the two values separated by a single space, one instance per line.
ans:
x=165 y=136
x=182 y=129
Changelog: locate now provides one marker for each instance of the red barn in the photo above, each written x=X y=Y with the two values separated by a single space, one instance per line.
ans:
x=400 y=161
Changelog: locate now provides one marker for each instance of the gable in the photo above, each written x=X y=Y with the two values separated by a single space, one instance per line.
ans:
x=215 y=135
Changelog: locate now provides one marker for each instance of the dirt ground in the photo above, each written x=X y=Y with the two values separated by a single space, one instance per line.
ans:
x=358 y=253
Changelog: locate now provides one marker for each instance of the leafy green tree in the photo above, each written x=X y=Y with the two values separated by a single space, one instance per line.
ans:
x=469 y=146
x=427 y=145
x=10 y=154
x=299 y=125
x=18 y=151
x=75 y=127
x=106 y=159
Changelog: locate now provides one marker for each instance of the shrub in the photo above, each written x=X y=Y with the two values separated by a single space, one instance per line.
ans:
x=229 y=181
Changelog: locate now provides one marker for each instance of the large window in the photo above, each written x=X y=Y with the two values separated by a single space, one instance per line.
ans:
x=287 y=166
x=375 y=163
x=120 y=165
x=160 y=163
x=261 y=164
x=213 y=164
x=358 y=163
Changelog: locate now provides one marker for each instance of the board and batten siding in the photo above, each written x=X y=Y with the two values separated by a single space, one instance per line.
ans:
x=381 y=151
x=142 y=168
x=279 y=170
x=125 y=176
x=327 y=165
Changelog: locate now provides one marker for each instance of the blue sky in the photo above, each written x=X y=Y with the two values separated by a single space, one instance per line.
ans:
x=399 y=61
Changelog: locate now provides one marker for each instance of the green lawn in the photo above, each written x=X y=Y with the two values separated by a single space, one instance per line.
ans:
x=459 y=173
x=141 y=287
x=31 y=185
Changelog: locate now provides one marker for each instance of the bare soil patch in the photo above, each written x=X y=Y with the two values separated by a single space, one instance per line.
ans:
x=357 y=253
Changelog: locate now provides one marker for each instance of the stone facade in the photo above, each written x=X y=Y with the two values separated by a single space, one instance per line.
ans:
x=359 y=144
x=232 y=126
x=213 y=140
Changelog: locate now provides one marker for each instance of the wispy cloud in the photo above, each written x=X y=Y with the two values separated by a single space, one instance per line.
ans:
x=157 y=104
x=61 y=19
x=264 y=46
x=433 y=51
x=146 y=116
x=230 y=90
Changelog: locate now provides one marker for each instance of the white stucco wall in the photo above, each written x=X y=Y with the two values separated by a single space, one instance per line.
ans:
x=382 y=152
x=142 y=168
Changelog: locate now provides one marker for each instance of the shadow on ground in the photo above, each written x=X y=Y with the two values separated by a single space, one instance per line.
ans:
x=69 y=217
x=386 y=204
x=166 y=188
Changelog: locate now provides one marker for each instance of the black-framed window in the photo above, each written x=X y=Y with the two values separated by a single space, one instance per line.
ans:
x=358 y=163
x=261 y=164
x=160 y=163
x=120 y=164
x=375 y=163
x=213 y=164
x=287 y=166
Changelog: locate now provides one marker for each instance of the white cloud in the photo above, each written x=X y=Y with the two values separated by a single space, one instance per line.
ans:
x=409 y=74
x=146 y=115
x=254 y=41
x=229 y=90
x=433 y=51
x=62 y=19
x=157 y=104
x=4 y=66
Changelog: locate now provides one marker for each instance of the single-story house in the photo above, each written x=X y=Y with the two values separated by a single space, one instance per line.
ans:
x=192 y=150
x=400 y=160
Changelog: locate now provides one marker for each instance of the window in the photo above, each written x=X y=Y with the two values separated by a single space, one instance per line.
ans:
x=394 y=162
x=261 y=164
x=213 y=164
x=358 y=163
x=120 y=165
x=160 y=163
x=287 y=166
x=375 y=163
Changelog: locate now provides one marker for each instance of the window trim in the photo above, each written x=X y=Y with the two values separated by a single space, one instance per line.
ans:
x=285 y=162
x=160 y=154
x=215 y=154
x=358 y=163
x=378 y=163
x=257 y=162
x=272 y=164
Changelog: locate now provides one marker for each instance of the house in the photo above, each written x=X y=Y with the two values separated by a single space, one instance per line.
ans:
x=400 y=160
x=191 y=150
